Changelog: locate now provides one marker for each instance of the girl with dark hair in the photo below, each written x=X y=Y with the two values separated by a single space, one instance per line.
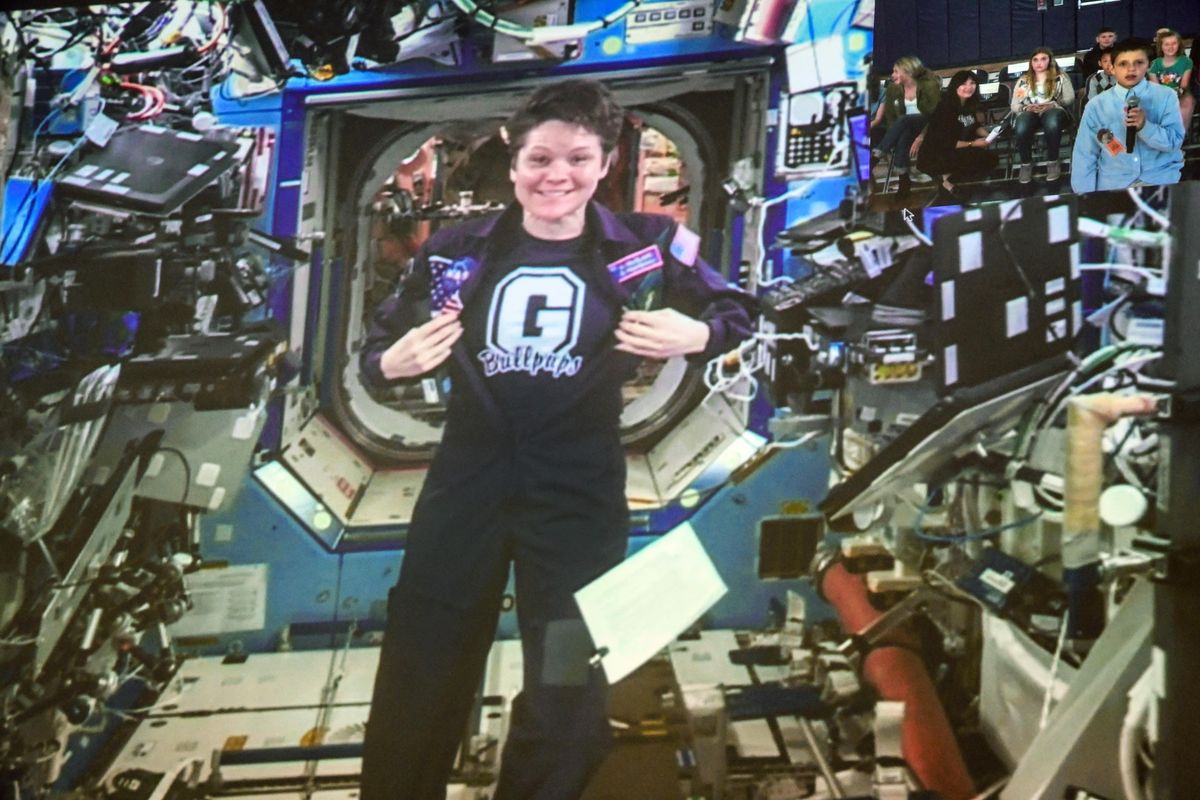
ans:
x=1041 y=99
x=954 y=143
x=540 y=314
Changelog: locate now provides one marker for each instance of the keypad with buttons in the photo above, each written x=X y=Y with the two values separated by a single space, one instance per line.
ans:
x=668 y=21
x=807 y=144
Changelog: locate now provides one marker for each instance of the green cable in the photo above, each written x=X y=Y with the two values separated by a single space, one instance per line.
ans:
x=545 y=33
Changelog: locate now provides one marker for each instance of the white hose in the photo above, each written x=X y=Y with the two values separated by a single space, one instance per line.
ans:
x=1136 y=715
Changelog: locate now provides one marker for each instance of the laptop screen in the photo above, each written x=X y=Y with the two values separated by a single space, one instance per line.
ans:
x=860 y=138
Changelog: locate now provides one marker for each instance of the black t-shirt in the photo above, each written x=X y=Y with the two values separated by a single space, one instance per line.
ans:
x=968 y=127
x=539 y=328
x=1091 y=60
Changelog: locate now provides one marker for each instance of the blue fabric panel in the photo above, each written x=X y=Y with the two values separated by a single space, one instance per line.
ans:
x=1026 y=28
x=879 y=42
x=1058 y=27
x=966 y=30
x=1088 y=20
x=1119 y=16
x=1148 y=16
x=995 y=30
x=901 y=37
x=933 y=33
x=1184 y=16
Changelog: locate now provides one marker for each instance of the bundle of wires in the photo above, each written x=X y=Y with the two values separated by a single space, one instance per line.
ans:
x=156 y=100
x=962 y=537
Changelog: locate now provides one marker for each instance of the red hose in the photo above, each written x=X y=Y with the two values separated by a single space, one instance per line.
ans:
x=897 y=673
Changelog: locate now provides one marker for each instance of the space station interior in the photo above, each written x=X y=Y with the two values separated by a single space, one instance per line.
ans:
x=948 y=489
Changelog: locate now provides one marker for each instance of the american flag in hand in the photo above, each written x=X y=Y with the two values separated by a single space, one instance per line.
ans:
x=446 y=278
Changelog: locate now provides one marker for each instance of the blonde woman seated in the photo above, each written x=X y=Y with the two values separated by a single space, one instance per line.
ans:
x=907 y=103
x=1041 y=99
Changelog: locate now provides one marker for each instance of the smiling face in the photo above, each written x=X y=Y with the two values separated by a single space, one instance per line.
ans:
x=965 y=90
x=1039 y=63
x=1170 y=45
x=1106 y=40
x=554 y=174
x=899 y=75
x=1130 y=67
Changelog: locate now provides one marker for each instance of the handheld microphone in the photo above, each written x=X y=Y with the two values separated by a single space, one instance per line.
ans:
x=1131 y=103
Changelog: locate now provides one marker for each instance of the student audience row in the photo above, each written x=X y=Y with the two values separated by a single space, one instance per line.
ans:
x=1128 y=106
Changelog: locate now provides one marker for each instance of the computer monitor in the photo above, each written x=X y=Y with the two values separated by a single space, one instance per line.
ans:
x=860 y=138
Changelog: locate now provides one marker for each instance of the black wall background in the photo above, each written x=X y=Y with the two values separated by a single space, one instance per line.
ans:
x=950 y=33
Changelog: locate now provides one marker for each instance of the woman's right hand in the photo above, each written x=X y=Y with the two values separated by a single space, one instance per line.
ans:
x=423 y=348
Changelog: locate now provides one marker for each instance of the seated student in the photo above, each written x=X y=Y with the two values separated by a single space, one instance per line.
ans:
x=1158 y=37
x=909 y=100
x=1103 y=79
x=1174 y=70
x=1041 y=99
x=1101 y=158
x=954 y=144
x=1105 y=38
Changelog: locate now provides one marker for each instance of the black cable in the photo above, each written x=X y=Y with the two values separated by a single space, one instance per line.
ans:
x=187 y=471
x=22 y=44
x=77 y=36
x=1029 y=292
x=1110 y=324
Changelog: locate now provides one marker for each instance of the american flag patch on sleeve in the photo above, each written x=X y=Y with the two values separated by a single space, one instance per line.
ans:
x=685 y=247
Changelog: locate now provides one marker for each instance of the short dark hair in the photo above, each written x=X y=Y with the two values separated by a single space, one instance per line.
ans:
x=1106 y=29
x=1126 y=45
x=588 y=104
x=961 y=77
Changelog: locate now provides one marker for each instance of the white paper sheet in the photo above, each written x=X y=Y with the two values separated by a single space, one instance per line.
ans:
x=637 y=608
x=225 y=600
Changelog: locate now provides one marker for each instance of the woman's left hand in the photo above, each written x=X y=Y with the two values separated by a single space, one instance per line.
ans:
x=661 y=334
x=916 y=147
x=980 y=142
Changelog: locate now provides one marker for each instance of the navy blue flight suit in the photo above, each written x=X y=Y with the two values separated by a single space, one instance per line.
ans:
x=547 y=497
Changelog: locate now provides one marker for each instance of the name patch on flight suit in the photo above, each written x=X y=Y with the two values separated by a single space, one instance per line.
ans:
x=636 y=264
